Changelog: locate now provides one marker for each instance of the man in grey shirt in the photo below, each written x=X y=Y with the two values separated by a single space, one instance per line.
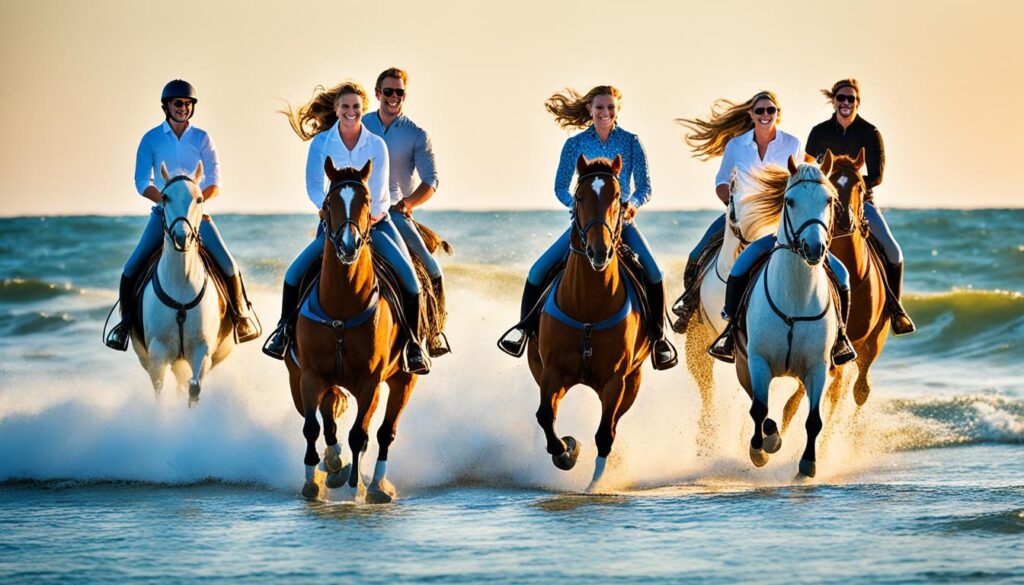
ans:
x=409 y=150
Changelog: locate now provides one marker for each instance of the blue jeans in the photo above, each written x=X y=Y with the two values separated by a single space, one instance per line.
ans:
x=716 y=227
x=414 y=243
x=559 y=250
x=739 y=276
x=153 y=237
x=386 y=241
x=880 y=229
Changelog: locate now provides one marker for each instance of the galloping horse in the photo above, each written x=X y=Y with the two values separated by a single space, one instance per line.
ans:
x=183 y=319
x=747 y=219
x=868 y=325
x=347 y=337
x=791 y=319
x=590 y=331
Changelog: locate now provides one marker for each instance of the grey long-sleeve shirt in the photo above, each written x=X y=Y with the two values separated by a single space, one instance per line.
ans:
x=409 y=150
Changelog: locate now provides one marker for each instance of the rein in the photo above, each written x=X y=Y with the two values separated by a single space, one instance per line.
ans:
x=192 y=234
x=793 y=236
x=734 y=226
x=581 y=231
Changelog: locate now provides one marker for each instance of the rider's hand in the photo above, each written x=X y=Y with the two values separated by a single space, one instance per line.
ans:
x=404 y=208
x=630 y=212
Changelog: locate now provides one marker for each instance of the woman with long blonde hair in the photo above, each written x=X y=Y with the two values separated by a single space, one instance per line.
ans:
x=596 y=114
x=332 y=123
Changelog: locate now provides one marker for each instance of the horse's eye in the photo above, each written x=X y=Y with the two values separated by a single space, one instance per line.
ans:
x=164 y=198
x=199 y=200
x=790 y=202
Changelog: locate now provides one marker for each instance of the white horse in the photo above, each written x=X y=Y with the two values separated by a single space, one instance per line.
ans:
x=791 y=322
x=183 y=315
x=747 y=219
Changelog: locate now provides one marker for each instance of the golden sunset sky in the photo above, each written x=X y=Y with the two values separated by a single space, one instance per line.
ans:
x=81 y=83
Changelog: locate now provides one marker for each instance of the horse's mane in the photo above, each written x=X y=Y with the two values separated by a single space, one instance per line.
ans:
x=763 y=210
x=600 y=165
x=348 y=174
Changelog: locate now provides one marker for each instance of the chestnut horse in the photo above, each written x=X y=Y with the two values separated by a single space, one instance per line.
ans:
x=589 y=333
x=868 y=325
x=350 y=341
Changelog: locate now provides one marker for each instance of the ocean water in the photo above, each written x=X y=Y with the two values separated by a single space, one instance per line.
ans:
x=102 y=481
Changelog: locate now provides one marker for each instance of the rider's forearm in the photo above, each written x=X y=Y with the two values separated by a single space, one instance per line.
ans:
x=421 y=195
x=723 y=193
x=153 y=194
x=211 y=192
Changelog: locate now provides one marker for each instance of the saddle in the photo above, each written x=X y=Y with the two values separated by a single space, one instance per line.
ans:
x=213 y=271
x=693 y=279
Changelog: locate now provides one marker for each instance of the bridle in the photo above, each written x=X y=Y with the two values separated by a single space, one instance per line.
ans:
x=852 y=224
x=334 y=235
x=793 y=242
x=734 y=224
x=191 y=232
x=582 y=230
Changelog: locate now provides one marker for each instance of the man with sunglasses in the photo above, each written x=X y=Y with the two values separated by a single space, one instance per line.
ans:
x=409 y=150
x=181 y=146
x=845 y=133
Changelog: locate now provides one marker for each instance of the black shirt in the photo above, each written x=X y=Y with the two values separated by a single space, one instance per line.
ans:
x=829 y=135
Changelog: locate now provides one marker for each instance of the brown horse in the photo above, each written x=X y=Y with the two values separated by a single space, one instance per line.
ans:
x=598 y=349
x=868 y=325
x=351 y=343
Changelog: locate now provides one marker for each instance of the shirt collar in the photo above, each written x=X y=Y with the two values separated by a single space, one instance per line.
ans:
x=168 y=130
x=751 y=142
x=593 y=132
x=336 y=136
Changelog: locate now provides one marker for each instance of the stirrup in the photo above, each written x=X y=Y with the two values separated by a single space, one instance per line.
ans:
x=246 y=329
x=277 y=344
x=118 y=337
x=900 y=322
x=514 y=347
x=673 y=356
x=723 y=349
x=679 y=307
x=410 y=365
x=442 y=347
x=843 y=351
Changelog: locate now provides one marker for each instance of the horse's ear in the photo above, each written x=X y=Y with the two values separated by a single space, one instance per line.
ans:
x=364 y=173
x=581 y=165
x=826 y=162
x=859 y=161
x=163 y=172
x=792 y=165
x=617 y=164
x=198 y=175
x=329 y=168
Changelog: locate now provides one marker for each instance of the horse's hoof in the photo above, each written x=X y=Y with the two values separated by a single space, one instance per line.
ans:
x=758 y=457
x=807 y=468
x=567 y=459
x=311 y=490
x=193 y=393
x=353 y=494
x=772 y=438
x=332 y=461
x=337 y=479
x=384 y=493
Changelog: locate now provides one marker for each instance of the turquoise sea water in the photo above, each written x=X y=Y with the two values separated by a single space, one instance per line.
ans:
x=101 y=481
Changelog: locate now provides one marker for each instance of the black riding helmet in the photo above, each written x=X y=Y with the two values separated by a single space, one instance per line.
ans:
x=178 y=88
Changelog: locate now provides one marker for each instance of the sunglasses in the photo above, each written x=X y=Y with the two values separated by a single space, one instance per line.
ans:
x=389 y=91
x=845 y=97
x=770 y=110
x=182 y=103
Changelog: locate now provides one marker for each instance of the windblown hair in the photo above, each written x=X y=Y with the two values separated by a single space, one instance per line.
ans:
x=392 y=72
x=318 y=114
x=707 y=138
x=851 y=82
x=570 y=108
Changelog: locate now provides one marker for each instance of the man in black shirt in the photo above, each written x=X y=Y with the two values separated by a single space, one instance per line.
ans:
x=846 y=133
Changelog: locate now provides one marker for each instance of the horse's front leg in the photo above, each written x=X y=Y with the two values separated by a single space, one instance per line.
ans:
x=312 y=387
x=814 y=381
x=381 y=490
x=334 y=460
x=759 y=380
x=565 y=451
x=156 y=365
x=201 y=363
x=367 y=394
x=617 y=397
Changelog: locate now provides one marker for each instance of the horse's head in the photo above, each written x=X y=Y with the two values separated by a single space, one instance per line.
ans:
x=346 y=210
x=597 y=203
x=849 y=183
x=182 y=204
x=807 y=218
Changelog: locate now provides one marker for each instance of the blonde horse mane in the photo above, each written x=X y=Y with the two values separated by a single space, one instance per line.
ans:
x=763 y=210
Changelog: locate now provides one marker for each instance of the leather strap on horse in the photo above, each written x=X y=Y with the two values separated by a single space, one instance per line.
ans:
x=182 y=309
x=788 y=320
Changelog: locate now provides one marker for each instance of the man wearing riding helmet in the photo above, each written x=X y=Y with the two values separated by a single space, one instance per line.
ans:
x=181 y=146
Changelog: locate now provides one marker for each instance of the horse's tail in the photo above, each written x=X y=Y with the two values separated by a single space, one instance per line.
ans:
x=433 y=314
x=341 y=402
x=432 y=239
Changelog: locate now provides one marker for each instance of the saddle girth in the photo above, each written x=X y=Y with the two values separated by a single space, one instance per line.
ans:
x=181 y=308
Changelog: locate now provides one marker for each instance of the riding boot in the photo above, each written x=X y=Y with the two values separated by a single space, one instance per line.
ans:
x=663 y=354
x=438 y=346
x=245 y=328
x=121 y=333
x=514 y=341
x=682 y=307
x=278 y=341
x=414 y=358
x=724 y=348
x=842 y=350
x=899 y=320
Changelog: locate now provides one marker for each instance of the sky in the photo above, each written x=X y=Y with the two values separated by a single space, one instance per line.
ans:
x=81 y=82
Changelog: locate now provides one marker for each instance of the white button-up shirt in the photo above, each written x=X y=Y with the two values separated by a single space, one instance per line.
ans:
x=741 y=159
x=369 y=147
x=181 y=155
